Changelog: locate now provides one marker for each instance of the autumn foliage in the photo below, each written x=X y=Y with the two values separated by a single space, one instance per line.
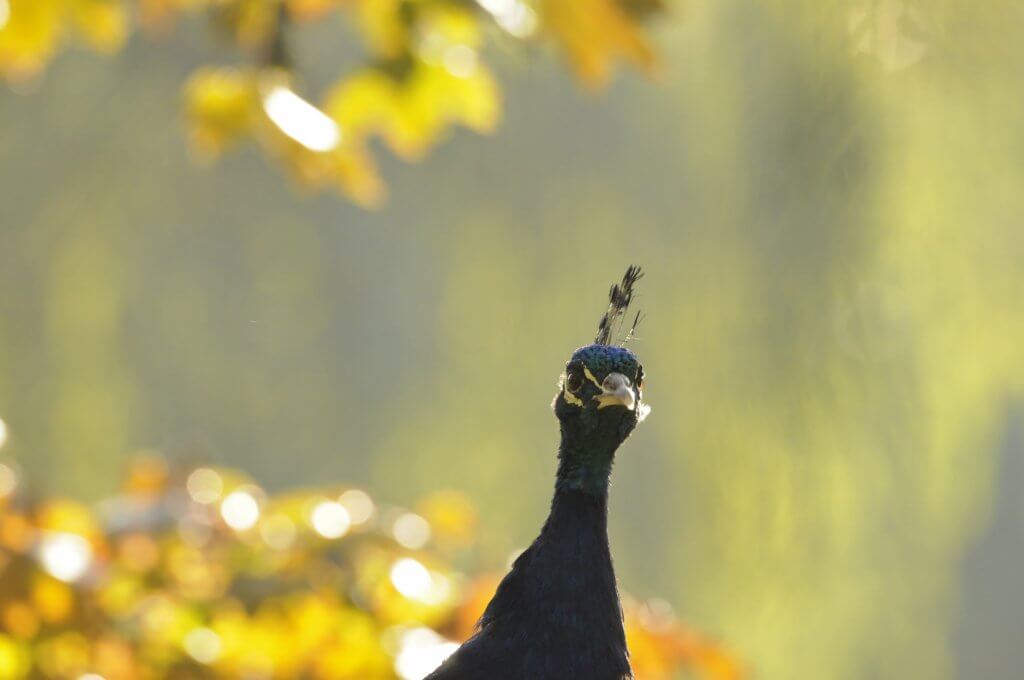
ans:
x=200 y=574
x=423 y=72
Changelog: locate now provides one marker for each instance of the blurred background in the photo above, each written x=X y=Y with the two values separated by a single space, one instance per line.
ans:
x=825 y=198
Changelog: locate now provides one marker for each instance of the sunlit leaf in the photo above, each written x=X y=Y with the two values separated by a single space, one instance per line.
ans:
x=251 y=22
x=595 y=34
x=20 y=619
x=55 y=601
x=384 y=27
x=15 y=659
x=29 y=38
x=363 y=104
x=220 y=107
x=102 y=23
x=65 y=655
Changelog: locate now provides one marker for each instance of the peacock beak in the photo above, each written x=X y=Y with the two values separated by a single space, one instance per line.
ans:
x=616 y=390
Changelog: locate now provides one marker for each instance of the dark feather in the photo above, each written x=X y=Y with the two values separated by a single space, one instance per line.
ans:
x=619 y=298
x=556 y=615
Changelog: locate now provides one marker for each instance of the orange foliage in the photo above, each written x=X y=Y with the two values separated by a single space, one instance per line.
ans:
x=205 y=575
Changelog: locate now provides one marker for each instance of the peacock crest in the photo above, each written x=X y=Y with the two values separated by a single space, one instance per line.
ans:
x=619 y=298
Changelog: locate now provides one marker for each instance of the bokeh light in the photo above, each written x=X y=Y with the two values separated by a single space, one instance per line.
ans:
x=414 y=581
x=515 y=16
x=240 y=509
x=138 y=552
x=65 y=556
x=300 y=120
x=8 y=480
x=460 y=60
x=182 y=594
x=278 y=531
x=358 y=504
x=3 y=425
x=330 y=519
x=421 y=651
x=205 y=486
x=203 y=645
x=411 y=530
x=411 y=578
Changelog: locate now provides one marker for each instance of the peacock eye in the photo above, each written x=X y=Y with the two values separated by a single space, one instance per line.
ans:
x=639 y=382
x=574 y=378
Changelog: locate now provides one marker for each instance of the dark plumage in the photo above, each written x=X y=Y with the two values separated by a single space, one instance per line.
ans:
x=556 y=615
x=619 y=299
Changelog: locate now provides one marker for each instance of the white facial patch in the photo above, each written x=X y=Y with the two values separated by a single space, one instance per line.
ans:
x=616 y=390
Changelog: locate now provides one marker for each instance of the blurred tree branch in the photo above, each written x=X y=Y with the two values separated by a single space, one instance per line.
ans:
x=423 y=73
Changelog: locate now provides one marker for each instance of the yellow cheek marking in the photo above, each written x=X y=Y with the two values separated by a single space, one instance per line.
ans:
x=572 y=398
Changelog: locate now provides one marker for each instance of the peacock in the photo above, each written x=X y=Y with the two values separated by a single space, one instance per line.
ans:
x=556 y=615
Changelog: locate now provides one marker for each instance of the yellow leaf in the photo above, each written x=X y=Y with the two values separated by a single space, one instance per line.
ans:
x=363 y=104
x=418 y=117
x=433 y=98
x=383 y=27
x=102 y=23
x=14 y=659
x=16 y=532
x=349 y=166
x=67 y=516
x=30 y=37
x=120 y=593
x=52 y=599
x=20 y=620
x=412 y=114
x=220 y=108
x=595 y=33
x=356 y=652
x=114 y=659
x=357 y=177
x=475 y=101
x=447 y=25
x=64 y=656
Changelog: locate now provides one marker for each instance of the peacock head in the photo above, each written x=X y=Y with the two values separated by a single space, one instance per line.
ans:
x=600 y=398
x=603 y=383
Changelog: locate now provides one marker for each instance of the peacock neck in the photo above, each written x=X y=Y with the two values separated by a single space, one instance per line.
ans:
x=573 y=558
x=584 y=466
x=570 y=589
x=560 y=603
